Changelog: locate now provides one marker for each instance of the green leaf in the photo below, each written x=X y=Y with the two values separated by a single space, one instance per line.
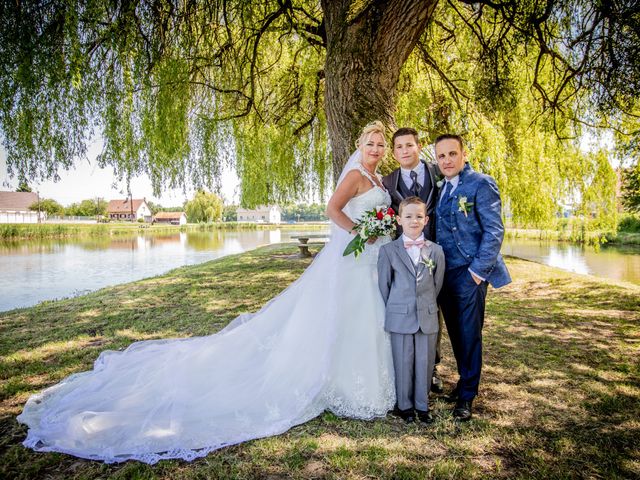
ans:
x=355 y=246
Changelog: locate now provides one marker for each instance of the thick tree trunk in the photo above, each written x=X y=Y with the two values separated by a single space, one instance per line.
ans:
x=365 y=54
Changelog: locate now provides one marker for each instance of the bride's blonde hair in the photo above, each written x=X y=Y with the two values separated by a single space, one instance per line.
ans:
x=369 y=129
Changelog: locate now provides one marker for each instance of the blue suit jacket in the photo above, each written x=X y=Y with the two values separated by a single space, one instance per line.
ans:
x=478 y=235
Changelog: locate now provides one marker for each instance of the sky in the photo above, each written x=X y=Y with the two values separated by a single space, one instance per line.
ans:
x=87 y=180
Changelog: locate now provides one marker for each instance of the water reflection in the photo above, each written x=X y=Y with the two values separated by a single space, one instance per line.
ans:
x=620 y=263
x=33 y=271
x=201 y=241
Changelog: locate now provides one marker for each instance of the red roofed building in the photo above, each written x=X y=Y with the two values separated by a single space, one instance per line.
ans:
x=124 y=211
x=173 y=218
x=14 y=207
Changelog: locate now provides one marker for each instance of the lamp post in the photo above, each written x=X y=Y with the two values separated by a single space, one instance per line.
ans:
x=38 y=197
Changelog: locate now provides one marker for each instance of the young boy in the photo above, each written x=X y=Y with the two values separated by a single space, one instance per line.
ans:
x=410 y=274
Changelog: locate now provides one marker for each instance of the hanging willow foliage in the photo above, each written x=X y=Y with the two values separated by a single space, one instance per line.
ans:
x=176 y=91
x=534 y=155
x=180 y=90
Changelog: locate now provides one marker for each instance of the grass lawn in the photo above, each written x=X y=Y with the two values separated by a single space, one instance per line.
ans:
x=560 y=394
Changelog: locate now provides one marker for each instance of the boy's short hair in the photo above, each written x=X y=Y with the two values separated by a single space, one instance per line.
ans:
x=411 y=201
x=404 y=131
x=450 y=136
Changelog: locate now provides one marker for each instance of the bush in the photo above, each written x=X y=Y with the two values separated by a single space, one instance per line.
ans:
x=629 y=223
x=141 y=220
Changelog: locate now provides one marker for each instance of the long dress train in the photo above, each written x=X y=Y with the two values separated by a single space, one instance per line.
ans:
x=317 y=346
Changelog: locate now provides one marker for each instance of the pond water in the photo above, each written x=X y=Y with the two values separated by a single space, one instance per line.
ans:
x=609 y=261
x=34 y=271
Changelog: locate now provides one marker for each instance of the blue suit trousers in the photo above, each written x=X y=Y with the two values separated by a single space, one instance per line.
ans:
x=462 y=302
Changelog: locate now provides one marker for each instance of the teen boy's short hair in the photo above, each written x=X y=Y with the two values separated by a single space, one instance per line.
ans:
x=404 y=131
x=411 y=201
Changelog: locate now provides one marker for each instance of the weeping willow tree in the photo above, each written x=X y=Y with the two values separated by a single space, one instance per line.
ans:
x=531 y=149
x=278 y=89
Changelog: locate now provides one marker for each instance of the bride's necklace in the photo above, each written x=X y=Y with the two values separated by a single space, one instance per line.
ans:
x=373 y=174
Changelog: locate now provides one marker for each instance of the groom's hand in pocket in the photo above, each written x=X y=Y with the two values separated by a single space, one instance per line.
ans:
x=478 y=280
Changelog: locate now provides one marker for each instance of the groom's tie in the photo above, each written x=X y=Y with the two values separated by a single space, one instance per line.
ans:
x=415 y=186
x=447 y=191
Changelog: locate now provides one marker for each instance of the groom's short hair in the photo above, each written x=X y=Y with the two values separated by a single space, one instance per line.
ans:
x=411 y=201
x=450 y=136
x=404 y=131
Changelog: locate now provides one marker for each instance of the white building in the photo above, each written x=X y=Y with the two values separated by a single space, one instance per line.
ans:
x=124 y=211
x=262 y=214
x=14 y=207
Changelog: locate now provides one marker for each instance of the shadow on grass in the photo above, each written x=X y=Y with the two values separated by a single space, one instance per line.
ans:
x=190 y=301
x=562 y=374
x=559 y=398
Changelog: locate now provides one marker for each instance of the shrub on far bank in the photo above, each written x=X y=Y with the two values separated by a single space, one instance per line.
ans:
x=629 y=223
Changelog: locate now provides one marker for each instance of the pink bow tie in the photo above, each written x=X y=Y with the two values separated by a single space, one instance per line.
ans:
x=413 y=243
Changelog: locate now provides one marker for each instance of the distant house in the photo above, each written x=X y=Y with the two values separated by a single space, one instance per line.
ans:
x=121 y=210
x=566 y=210
x=262 y=214
x=173 y=218
x=14 y=207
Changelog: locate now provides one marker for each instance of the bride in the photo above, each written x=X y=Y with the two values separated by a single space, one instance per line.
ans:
x=317 y=346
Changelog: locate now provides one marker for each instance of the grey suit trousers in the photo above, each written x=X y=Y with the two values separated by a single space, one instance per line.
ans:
x=413 y=358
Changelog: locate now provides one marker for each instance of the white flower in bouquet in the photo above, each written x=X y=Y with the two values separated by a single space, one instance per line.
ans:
x=377 y=222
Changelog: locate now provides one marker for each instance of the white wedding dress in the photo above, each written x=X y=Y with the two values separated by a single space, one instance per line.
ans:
x=317 y=346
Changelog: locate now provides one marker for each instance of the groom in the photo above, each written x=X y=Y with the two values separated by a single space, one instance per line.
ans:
x=415 y=178
x=470 y=231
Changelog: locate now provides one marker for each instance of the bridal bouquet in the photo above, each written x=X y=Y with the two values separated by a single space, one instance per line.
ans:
x=377 y=222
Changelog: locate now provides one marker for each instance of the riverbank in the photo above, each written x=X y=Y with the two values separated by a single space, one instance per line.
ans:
x=560 y=394
x=589 y=238
x=68 y=230
x=15 y=231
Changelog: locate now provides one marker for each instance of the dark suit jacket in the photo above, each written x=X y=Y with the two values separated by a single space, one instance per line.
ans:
x=430 y=196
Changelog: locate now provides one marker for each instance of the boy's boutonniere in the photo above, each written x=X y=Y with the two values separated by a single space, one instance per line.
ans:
x=464 y=206
x=429 y=263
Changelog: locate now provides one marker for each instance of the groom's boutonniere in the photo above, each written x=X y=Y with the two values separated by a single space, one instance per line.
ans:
x=429 y=263
x=439 y=181
x=464 y=206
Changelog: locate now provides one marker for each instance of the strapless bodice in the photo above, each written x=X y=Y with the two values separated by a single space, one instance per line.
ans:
x=355 y=209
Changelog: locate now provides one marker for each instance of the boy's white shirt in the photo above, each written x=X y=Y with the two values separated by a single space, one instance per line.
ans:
x=413 y=251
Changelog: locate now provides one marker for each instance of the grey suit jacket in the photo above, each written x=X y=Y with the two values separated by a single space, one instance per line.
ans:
x=410 y=292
